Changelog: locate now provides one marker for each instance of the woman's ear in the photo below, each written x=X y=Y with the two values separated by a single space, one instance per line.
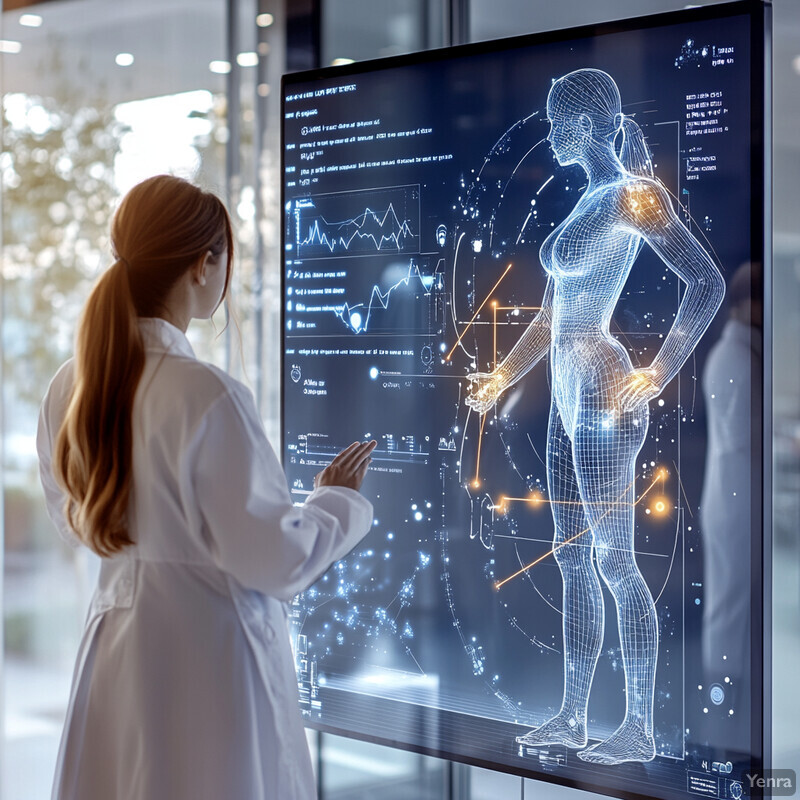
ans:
x=200 y=268
x=585 y=123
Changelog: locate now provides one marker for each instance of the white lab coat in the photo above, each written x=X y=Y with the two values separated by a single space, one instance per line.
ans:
x=184 y=686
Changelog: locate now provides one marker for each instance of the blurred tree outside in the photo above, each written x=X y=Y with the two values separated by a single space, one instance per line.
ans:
x=57 y=166
x=58 y=180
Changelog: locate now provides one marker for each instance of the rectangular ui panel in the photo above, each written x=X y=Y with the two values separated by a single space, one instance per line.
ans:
x=532 y=271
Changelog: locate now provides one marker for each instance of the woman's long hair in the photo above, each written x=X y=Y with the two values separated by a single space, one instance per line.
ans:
x=162 y=228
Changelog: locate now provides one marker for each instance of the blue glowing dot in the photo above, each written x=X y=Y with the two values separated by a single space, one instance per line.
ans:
x=418 y=516
x=697 y=601
x=387 y=555
x=390 y=536
x=355 y=321
x=442 y=347
x=374 y=372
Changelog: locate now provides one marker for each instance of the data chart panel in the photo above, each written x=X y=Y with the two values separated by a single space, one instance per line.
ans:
x=344 y=224
x=532 y=271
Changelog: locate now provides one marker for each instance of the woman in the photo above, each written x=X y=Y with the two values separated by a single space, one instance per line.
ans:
x=599 y=410
x=184 y=686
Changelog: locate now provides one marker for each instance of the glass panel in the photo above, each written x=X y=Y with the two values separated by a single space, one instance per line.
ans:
x=255 y=195
x=548 y=791
x=786 y=386
x=359 y=29
x=492 y=20
x=355 y=770
x=90 y=107
x=484 y=784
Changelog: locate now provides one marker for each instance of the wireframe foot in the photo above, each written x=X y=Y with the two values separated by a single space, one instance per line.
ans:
x=630 y=742
x=562 y=729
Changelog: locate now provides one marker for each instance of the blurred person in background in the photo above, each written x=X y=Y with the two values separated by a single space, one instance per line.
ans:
x=732 y=370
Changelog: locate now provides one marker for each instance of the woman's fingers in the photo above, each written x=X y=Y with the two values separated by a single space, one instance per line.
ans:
x=349 y=467
x=350 y=459
x=362 y=470
x=359 y=453
x=349 y=450
x=343 y=459
x=366 y=451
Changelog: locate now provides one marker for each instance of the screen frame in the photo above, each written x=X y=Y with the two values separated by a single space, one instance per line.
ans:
x=760 y=13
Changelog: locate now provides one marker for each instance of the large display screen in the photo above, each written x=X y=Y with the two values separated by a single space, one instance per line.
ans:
x=532 y=270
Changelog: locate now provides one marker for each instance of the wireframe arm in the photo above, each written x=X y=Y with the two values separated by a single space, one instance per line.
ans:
x=648 y=211
x=534 y=343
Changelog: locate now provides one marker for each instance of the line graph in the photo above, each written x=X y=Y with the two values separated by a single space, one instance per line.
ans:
x=347 y=231
x=358 y=317
x=357 y=223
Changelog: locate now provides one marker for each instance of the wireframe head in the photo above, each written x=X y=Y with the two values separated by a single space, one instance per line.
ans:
x=584 y=109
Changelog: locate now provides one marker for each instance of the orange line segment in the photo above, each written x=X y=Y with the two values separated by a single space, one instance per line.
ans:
x=661 y=476
x=447 y=357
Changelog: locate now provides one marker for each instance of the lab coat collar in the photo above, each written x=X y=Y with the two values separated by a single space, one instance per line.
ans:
x=158 y=334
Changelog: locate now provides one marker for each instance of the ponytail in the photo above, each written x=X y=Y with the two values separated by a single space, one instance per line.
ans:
x=94 y=448
x=163 y=226
x=634 y=153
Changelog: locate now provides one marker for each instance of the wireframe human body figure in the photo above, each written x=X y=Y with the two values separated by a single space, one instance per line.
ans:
x=599 y=409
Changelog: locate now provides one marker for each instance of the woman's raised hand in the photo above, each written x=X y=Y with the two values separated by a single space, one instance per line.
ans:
x=348 y=468
x=484 y=390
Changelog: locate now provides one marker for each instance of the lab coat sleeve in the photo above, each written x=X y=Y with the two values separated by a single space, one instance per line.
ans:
x=51 y=414
x=249 y=523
